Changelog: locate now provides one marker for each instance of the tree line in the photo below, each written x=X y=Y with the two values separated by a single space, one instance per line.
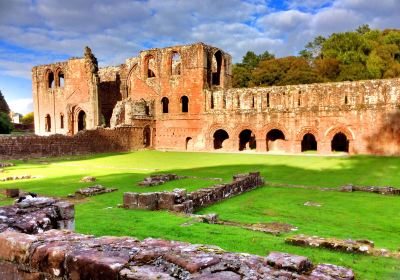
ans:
x=348 y=56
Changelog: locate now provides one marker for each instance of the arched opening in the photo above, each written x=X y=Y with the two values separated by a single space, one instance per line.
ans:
x=189 y=144
x=219 y=137
x=164 y=102
x=146 y=137
x=340 y=143
x=176 y=64
x=151 y=73
x=81 y=120
x=185 y=104
x=247 y=140
x=50 y=80
x=62 y=121
x=216 y=68
x=308 y=143
x=273 y=138
x=60 y=79
x=47 y=123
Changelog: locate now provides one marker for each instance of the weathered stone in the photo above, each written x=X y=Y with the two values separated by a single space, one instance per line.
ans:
x=12 y=192
x=94 y=190
x=145 y=272
x=14 y=246
x=331 y=272
x=290 y=262
x=88 y=179
x=131 y=200
x=148 y=201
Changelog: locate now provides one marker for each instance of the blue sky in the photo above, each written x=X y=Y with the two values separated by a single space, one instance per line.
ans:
x=34 y=32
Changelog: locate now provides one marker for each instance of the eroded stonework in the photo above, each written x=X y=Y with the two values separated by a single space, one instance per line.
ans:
x=181 y=98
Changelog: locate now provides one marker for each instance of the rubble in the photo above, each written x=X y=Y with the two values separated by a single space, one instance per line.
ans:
x=159 y=179
x=371 y=189
x=348 y=245
x=88 y=179
x=37 y=214
x=17 y=177
x=94 y=190
x=6 y=164
x=62 y=254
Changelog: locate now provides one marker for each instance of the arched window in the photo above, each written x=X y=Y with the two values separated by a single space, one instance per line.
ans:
x=47 y=123
x=60 y=79
x=150 y=67
x=176 y=64
x=81 y=120
x=185 y=104
x=61 y=121
x=50 y=80
x=216 y=68
x=164 y=102
x=189 y=143
x=146 y=137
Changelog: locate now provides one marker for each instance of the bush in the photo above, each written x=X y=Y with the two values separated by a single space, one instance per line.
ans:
x=5 y=124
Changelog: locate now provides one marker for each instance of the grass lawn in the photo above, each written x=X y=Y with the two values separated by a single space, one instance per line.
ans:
x=343 y=215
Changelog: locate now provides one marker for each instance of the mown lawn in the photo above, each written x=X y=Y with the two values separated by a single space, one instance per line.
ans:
x=342 y=215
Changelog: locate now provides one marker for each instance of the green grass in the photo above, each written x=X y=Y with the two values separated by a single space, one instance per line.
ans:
x=342 y=215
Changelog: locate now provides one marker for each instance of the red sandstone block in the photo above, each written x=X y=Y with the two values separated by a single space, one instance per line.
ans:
x=148 y=201
x=190 y=262
x=10 y=271
x=12 y=192
x=131 y=200
x=14 y=246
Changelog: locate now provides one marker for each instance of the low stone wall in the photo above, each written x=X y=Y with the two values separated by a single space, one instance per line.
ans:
x=66 y=255
x=35 y=215
x=180 y=201
x=371 y=189
x=100 y=140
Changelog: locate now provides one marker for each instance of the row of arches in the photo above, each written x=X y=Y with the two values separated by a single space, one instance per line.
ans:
x=247 y=140
x=175 y=65
x=55 y=80
x=81 y=121
x=184 y=100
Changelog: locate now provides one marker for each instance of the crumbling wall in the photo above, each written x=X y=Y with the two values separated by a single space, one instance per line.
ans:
x=66 y=255
x=180 y=201
x=37 y=214
x=101 y=140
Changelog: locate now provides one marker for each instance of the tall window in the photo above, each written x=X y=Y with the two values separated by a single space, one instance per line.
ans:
x=61 y=121
x=50 y=80
x=185 y=104
x=151 y=67
x=47 y=123
x=164 y=102
x=212 y=101
x=176 y=64
x=60 y=79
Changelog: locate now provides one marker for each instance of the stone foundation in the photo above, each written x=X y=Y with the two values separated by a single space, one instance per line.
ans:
x=66 y=255
x=35 y=215
x=180 y=201
x=372 y=189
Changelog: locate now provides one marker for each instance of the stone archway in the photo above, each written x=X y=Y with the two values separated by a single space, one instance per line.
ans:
x=189 y=144
x=146 y=137
x=309 y=143
x=340 y=143
x=273 y=138
x=219 y=137
x=247 y=140
x=81 y=120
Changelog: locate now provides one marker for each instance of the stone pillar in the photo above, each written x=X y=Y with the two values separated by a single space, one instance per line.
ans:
x=261 y=145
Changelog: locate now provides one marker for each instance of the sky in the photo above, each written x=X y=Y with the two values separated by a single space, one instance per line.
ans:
x=35 y=32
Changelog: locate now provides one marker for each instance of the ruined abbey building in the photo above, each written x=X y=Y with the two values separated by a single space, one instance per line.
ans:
x=180 y=98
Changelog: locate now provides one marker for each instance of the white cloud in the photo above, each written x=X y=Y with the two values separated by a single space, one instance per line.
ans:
x=22 y=106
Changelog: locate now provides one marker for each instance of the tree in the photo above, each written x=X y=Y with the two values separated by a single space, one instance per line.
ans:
x=313 y=49
x=5 y=124
x=28 y=118
x=3 y=104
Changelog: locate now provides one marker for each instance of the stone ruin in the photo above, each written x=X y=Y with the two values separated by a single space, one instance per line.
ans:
x=66 y=255
x=159 y=179
x=32 y=247
x=37 y=214
x=371 y=189
x=180 y=201
x=94 y=190
x=366 y=247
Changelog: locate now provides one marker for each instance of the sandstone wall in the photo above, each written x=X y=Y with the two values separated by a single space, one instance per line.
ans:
x=101 y=140
x=179 y=201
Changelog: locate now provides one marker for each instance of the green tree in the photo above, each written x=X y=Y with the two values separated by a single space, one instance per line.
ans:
x=28 y=118
x=5 y=124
